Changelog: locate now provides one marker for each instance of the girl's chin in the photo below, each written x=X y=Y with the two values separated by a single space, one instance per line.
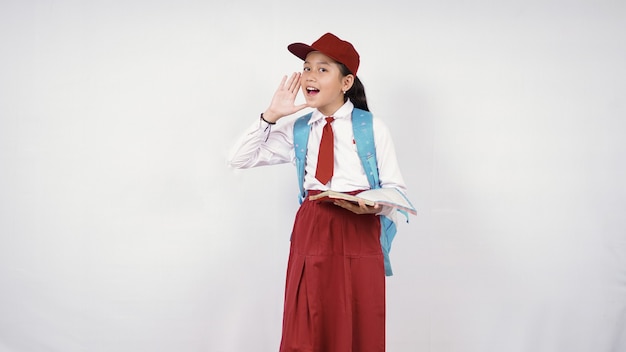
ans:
x=311 y=102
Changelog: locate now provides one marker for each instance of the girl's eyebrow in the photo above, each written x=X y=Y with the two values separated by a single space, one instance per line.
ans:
x=319 y=62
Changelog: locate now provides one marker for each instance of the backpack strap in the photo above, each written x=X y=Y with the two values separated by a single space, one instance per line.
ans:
x=366 y=148
x=301 y=130
x=363 y=129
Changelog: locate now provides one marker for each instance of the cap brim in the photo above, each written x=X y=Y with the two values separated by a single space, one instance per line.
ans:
x=301 y=50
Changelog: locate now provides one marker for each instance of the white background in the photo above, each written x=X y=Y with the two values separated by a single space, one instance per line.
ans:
x=122 y=228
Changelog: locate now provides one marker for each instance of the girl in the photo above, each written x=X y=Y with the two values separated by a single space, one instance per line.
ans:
x=335 y=287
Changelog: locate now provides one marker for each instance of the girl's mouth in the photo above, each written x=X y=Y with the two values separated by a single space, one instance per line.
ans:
x=312 y=91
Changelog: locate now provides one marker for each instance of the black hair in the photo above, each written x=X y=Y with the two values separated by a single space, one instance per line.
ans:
x=357 y=92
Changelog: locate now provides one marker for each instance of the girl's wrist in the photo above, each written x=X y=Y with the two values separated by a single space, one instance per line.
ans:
x=269 y=117
x=266 y=120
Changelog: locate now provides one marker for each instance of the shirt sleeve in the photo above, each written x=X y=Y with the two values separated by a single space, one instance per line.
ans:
x=263 y=144
x=388 y=168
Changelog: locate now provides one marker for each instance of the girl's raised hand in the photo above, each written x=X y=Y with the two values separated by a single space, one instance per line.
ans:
x=283 y=102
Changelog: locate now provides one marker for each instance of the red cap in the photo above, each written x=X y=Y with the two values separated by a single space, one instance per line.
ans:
x=331 y=46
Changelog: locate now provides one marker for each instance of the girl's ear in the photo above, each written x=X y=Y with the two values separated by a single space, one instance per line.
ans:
x=347 y=82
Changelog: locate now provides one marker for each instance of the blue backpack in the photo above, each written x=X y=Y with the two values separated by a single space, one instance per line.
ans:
x=364 y=138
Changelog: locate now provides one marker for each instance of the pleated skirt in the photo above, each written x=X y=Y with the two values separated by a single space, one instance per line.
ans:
x=335 y=286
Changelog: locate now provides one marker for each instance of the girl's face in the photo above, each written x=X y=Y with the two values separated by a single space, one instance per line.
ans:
x=323 y=85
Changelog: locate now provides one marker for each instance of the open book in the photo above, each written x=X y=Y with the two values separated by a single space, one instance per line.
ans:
x=383 y=196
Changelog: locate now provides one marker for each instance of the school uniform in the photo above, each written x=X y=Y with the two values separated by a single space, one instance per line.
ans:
x=335 y=285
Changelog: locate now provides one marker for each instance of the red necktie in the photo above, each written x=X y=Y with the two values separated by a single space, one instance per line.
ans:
x=326 y=158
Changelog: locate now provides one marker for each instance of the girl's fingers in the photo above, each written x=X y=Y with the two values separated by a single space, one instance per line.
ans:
x=294 y=82
x=282 y=83
x=356 y=208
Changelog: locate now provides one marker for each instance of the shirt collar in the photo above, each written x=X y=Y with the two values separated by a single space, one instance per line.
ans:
x=345 y=111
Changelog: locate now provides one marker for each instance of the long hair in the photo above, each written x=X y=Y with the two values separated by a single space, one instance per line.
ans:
x=357 y=92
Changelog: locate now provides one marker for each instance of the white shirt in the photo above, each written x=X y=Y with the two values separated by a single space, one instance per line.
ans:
x=265 y=144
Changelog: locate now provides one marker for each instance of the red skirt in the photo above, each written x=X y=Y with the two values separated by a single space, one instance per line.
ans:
x=335 y=290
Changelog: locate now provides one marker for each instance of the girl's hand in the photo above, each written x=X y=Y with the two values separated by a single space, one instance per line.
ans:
x=283 y=101
x=358 y=209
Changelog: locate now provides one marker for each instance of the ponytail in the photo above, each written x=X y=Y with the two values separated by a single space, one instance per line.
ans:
x=356 y=94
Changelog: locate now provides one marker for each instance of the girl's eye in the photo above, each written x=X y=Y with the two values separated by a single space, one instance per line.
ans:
x=307 y=69
x=323 y=70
